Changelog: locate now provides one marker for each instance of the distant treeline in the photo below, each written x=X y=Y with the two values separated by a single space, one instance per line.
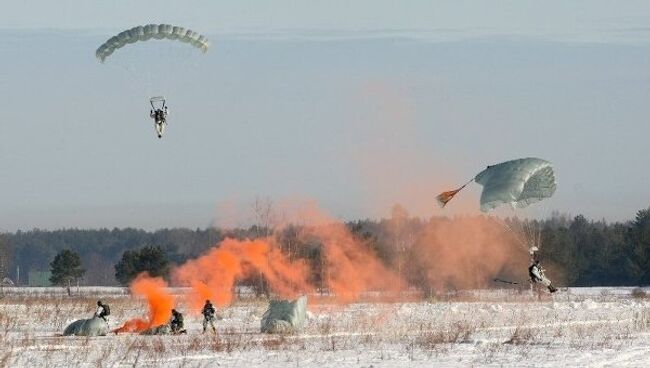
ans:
x=577 y=251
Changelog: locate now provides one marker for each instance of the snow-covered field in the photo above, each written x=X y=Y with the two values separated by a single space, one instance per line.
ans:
x=591 y=327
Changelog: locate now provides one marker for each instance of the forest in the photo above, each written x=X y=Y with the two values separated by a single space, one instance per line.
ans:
x=575 y=251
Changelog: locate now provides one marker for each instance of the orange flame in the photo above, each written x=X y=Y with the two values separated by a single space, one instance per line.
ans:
x=159 y=301
x=133 y=325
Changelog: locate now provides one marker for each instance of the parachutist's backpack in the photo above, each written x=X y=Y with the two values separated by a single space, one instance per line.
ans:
x=107 y=310
x=535 y=275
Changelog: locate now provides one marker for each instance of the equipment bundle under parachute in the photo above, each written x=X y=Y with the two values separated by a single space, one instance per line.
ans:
x=517 y=182
x=148 y=32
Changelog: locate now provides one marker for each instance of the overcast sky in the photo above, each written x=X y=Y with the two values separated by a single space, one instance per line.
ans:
x=591 y=20
x=354 y=105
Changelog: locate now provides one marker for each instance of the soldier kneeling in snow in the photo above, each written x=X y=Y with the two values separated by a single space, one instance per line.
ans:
x=176 y=323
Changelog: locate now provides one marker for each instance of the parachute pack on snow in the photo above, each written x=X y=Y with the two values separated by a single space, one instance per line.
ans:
x=87 y=327
x=284 y=316
x=151 y=32
x=517 y=183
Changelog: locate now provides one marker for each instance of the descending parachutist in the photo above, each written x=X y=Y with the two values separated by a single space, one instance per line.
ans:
x=518 y=183
x=159 y=114
x=536 y=273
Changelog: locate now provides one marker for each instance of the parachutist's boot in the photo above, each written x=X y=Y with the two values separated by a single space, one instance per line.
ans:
x=551 y=289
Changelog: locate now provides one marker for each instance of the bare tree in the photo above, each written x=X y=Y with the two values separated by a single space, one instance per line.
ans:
x=265 y=216
x=265 y=220
x=402 y=236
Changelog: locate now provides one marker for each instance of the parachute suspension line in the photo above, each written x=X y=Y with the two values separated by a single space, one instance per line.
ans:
x=444 y=197
x=519 y=183
x=529 y=233
x=160 y=45
x=517 y=236
x=545 y=210
x=532 y=229
x=157 y=99
x=532 y=235
x=469 y=181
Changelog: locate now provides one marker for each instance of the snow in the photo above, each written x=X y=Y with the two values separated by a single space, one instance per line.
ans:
x=578 y=327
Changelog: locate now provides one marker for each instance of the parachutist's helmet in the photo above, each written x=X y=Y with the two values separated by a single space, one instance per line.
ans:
x=174 y=311
x=99 y=303
x=207 y=301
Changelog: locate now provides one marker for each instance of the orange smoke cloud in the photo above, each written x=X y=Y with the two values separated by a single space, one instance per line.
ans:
x=213 y=275
x=159 y=302
x=349 y=265
x=466 y=252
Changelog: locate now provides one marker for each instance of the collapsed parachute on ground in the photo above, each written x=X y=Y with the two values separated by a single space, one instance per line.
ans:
x=87 y=327
x=284 y=316
x=517 y=183
x=148 y=32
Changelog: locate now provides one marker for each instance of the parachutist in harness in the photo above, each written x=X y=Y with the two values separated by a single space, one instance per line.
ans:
x=159 y=115
x=103 y=311
x=536 y=274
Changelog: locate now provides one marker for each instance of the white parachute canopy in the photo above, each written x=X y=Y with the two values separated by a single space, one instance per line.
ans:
x=152 y=32
x=517 y=183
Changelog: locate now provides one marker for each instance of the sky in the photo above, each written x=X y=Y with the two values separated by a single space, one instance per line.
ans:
x=354 y=105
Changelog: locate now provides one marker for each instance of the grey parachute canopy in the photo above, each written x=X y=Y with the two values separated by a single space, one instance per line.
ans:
x=87 y=327
x=148 y=32
x=517 y=183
